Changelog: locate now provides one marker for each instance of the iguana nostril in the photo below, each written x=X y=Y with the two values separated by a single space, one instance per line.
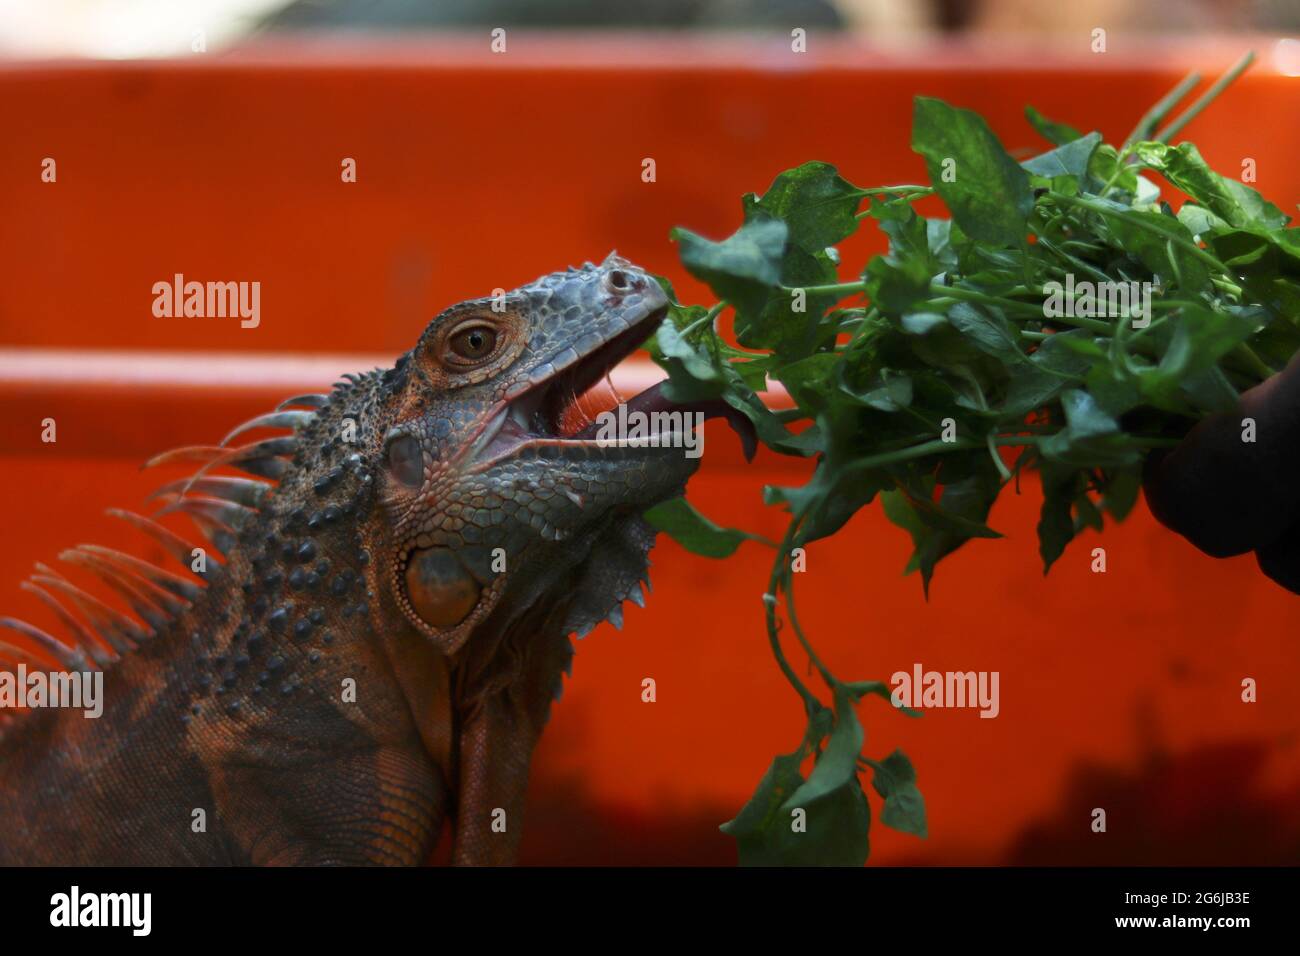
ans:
x=439 y=588
x=616 y=280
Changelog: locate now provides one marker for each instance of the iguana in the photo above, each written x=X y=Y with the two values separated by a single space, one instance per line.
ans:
x=377 y=650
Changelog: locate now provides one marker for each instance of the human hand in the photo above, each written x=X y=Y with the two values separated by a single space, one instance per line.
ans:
x=1229 y=495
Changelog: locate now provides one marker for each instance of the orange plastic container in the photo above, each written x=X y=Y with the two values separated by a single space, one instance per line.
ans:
x=477 y=171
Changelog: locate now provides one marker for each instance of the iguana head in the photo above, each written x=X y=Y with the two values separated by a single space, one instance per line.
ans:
x=490 y=503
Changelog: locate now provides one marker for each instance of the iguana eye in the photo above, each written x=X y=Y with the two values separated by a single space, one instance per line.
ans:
x=406 y=460
x=473 y=344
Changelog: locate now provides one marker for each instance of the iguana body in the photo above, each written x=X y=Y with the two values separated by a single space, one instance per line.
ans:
x=426 y=539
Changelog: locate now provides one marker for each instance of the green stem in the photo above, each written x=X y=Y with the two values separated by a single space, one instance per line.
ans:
x=1086 y=267
x=1206 y=99
x=836 y=288
x=822 y=669
x=1250 y=358
x=810 y=700
x=707 y=317
x=913 y=192
x=939 y=446
x=998 y=463
x=1152 y=117
x=1225 y=286
x=1146 y=225
x=973 y=295
x=1121 y=164
x=896 y=190
x=1025 y=308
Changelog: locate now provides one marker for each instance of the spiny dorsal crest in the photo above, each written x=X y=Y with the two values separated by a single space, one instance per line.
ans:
x=97 y=635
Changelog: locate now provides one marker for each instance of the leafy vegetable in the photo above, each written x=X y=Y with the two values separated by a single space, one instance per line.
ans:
x=685 y=524
x=1066 y=319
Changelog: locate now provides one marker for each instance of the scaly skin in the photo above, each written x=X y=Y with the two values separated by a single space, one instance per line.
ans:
x=430 y=543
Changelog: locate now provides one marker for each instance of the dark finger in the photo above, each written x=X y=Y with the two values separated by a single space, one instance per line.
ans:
x=1228 y=495
x=1281 y=559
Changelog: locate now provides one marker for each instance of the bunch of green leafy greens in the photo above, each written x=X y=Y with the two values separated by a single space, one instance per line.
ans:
x=953 y=363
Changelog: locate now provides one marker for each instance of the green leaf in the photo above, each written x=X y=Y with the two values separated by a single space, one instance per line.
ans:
x=830 y=831
x=1120 y=492
x=895 y=780
x=896 y=286
x=1106 y=168
x=901 y=277
x=1069 y=160
x=1209 y=390
x=807 y=380
x=781 y=779
x=829 y=513
x=1084 y=417
x=1114 y=387
x=1051 y=369
x=943 y=239
x=984 y=188
x=1200 y=222
x=940 y=527
x=1053 y=132
x=1231 y=200
x=885 y=391
x=1086 y=514
x=697 y=362
x=1061 y=485
x=816 y=203
x=680 y=521
x=962 y=507
x=1091 y=435
x=838 y=762
x=744 y=269
x=1201 y=337
x=769 y=429
x=696 y=371
x=1245 y=252
x=829 y=499
x=919 y=323
x=909 y=234
x=988 y=331
x=836 y=833
x=1145 y=235
x=779 y=326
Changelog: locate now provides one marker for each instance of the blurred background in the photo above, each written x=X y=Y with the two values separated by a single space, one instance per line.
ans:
x=207 y=138
x=135 y=28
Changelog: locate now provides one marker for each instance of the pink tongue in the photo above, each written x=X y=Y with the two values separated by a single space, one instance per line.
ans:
x=652 y=400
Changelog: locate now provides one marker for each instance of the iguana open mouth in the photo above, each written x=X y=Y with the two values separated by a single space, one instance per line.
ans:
x=545 y=413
